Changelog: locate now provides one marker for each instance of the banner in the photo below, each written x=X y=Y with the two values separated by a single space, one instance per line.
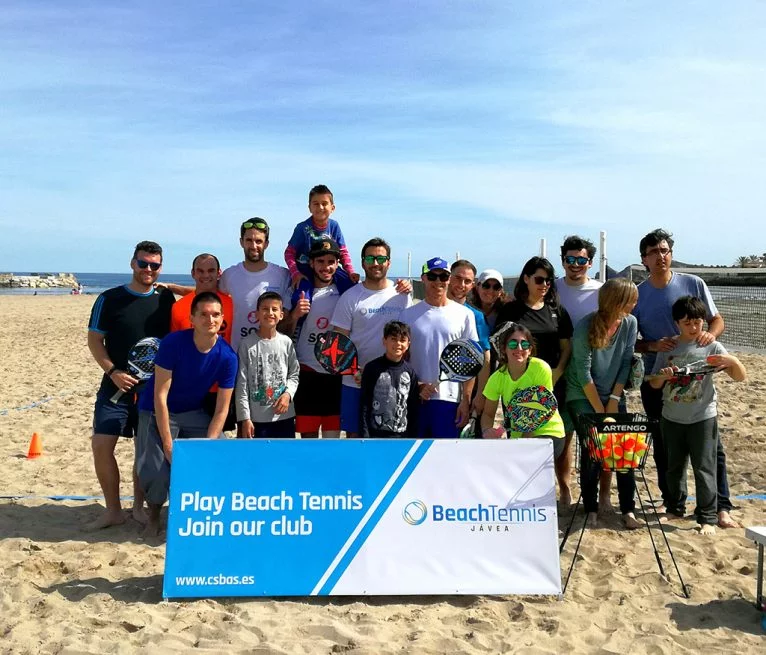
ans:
x=354 y=517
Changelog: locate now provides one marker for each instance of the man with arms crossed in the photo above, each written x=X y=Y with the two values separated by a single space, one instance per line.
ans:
x=578 y=294
x=659 y=333
x=188 y=363
x=246 y=281
x=434 y=323
x=361 y=314
x=121 y=317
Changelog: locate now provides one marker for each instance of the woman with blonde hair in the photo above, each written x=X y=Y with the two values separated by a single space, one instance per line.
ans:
x=602 y=351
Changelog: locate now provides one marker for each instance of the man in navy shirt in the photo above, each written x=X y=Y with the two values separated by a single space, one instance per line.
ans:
x=188 y=363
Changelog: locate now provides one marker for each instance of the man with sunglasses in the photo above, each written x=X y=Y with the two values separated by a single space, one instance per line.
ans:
x=121 y=317
x=361 y=314
x=659 y=333
x=434 y=323
x=246 y=281
x=578 y=294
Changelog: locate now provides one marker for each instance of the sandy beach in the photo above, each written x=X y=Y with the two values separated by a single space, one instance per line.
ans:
x=63 y=590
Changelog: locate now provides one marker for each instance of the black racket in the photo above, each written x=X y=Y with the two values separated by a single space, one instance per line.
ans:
x=336 y=353
x=461 y=360
x=684 y=374
x=140 y=363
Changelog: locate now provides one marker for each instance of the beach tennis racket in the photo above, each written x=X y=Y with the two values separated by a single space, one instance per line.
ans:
x=336 y=353
x=685 y=374
x=530 y=408
x=140 y=363
x=461 y=360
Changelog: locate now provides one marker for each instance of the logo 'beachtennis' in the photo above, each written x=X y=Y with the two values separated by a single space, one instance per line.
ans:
x=415 y=512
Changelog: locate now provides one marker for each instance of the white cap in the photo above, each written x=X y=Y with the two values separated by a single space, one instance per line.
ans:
x=490 y=274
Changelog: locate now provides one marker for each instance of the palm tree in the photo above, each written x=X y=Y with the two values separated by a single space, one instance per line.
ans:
x=742 y=261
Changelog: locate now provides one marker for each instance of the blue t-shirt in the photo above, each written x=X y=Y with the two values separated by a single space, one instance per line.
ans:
x=193 y=372
x=654 y=310
x=306 y=233
x=482 y=328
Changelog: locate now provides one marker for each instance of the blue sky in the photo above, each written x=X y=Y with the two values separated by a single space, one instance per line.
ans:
x=442 y=126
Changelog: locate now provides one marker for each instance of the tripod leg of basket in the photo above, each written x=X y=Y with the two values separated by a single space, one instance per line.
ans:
x=577 y=550
x=648 y=527
x=571 y=523
x=684 y=588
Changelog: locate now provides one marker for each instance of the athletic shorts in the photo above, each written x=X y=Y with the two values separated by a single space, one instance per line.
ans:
x=437 y=420
x=114 y=419
x=350 y=399
x=318 y=394
x=208 y=404
x=284 y=429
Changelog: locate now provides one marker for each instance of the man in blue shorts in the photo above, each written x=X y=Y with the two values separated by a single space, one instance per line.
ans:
x=121 y=317
x=434 y=323
x=188 y=363
x=361 y=314
x=659 y=333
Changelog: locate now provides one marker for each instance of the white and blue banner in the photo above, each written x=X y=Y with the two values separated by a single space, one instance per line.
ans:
x=352 y=517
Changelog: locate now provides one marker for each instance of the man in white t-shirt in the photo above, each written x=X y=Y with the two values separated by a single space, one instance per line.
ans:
x=361 y=314
x=578 y=294
x=317 y=401
x=246 y=281
x=434 y=323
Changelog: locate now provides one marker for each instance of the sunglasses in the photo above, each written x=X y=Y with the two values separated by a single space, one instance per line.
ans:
x=432 y=277
x=657 y=251
x=539 y=279
x=489 y=285
x=375 y=259
x=258 y=225
x=155 y=266
x=515 y=343
x=572 y=260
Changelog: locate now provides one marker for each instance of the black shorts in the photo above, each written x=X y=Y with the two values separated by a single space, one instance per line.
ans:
x=318 y=394
x=208 y=404
x=114 y=419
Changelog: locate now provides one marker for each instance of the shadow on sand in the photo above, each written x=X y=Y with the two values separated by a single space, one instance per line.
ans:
x=734 y=613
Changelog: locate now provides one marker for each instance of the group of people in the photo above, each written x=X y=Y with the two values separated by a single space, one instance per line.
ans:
x=238 y=352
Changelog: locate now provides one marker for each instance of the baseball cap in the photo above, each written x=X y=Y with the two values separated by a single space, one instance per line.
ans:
x=491 y=274
x=435 y=264
x=324 y=246
x=256 y=223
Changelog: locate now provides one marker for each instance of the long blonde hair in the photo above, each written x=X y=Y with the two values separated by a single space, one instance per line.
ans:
x=612 y=298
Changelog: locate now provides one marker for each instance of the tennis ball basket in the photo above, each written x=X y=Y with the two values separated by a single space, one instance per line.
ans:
x=618 y=442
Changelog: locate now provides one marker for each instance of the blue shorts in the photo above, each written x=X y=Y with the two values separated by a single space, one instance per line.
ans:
x=350 y=398
x=114 y=419
x=437 y=420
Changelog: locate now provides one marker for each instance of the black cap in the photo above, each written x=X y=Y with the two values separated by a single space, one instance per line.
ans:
x=324 y=246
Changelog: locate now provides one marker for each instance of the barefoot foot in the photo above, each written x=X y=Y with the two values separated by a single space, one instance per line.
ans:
x=707 y=529
x=605 y=508
x=725 y=521
x=630 y=521
x=591 y=520
x=152 y=529
x=139 y=514
x=565 y=497
x=106 y=520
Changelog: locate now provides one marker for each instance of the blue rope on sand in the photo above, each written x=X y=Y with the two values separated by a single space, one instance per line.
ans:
x=36 y=403
x=80 y=498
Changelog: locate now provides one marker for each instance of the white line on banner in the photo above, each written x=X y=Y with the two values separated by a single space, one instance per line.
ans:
x=394 y=476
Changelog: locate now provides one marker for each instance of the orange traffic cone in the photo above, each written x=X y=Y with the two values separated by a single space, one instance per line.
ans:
x=35 y=447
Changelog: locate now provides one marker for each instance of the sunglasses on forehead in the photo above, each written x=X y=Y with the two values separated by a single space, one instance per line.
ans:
x=495 y=286
x=258 y=225
x=375 y=259
x=572 y=260
x=432 y=277
x=155 y=266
